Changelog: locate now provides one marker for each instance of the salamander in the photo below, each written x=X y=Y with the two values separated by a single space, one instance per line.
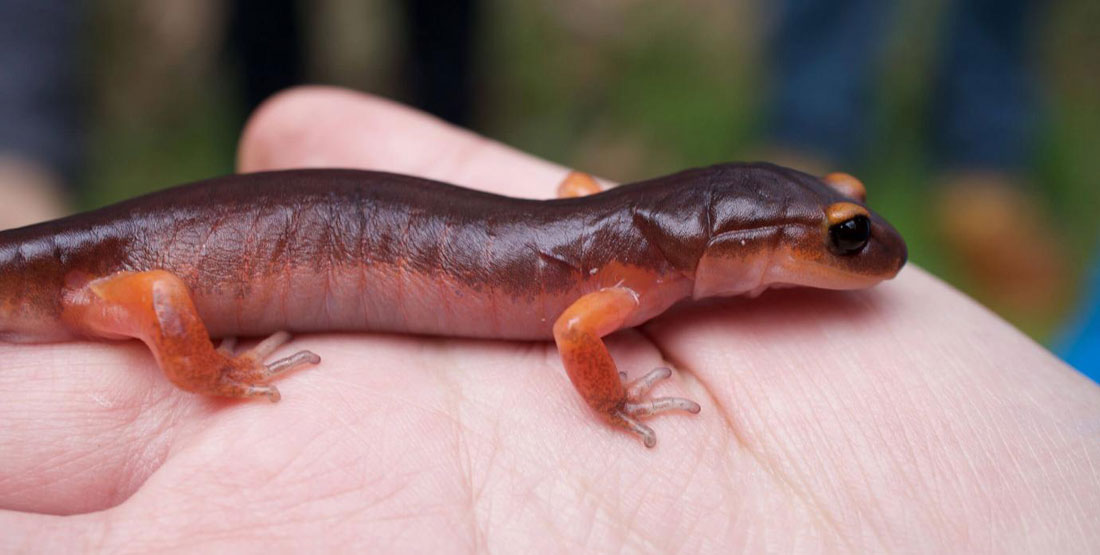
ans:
x=275 y=253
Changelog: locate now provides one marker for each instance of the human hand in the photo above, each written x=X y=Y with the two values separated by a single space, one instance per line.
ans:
x=905 y=417
x=31 y=193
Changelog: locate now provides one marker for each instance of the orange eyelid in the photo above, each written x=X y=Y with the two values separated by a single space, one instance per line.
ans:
x=846 y=185
x=839 y=212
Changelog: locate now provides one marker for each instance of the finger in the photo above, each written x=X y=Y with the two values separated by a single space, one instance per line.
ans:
x=330 y=127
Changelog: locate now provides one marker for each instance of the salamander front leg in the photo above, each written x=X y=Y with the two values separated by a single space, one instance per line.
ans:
x=578 y=184
x=578 y=333
x=156 y=307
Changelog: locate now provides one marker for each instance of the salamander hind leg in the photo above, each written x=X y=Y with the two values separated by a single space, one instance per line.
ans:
x=578 y=333
x=156 y=307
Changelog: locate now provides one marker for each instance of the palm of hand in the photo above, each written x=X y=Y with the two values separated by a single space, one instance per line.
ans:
x=865 y=420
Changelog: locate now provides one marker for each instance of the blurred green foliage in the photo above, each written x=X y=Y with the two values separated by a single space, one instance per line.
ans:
x=629 y=90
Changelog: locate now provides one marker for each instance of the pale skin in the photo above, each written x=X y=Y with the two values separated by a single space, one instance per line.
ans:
x=903 y=418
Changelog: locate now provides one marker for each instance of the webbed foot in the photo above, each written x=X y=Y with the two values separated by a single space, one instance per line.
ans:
x=247 y=371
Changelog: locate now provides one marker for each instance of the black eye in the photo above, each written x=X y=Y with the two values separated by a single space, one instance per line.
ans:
x=850 y=236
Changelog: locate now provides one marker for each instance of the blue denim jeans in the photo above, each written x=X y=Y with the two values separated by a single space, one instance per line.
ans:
x=38 y=81
x=825 y=53
x=1081 y=348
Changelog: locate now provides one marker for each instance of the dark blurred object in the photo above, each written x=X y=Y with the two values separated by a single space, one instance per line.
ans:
x=824 y=56
x=985 y=101
x=822 y=61
x=982 y=128
x=267 y=37
x=39 y=137
x=439 y=65
x=38 y=83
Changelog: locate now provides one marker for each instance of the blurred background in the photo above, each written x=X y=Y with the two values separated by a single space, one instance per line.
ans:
x=973 y=123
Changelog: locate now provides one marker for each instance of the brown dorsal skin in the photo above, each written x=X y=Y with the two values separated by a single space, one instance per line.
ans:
x=329 y=249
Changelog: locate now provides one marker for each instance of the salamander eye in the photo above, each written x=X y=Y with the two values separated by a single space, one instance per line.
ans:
x=850 y=236
x=849 y=227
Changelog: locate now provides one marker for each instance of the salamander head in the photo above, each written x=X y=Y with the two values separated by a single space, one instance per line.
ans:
x=772 y=226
